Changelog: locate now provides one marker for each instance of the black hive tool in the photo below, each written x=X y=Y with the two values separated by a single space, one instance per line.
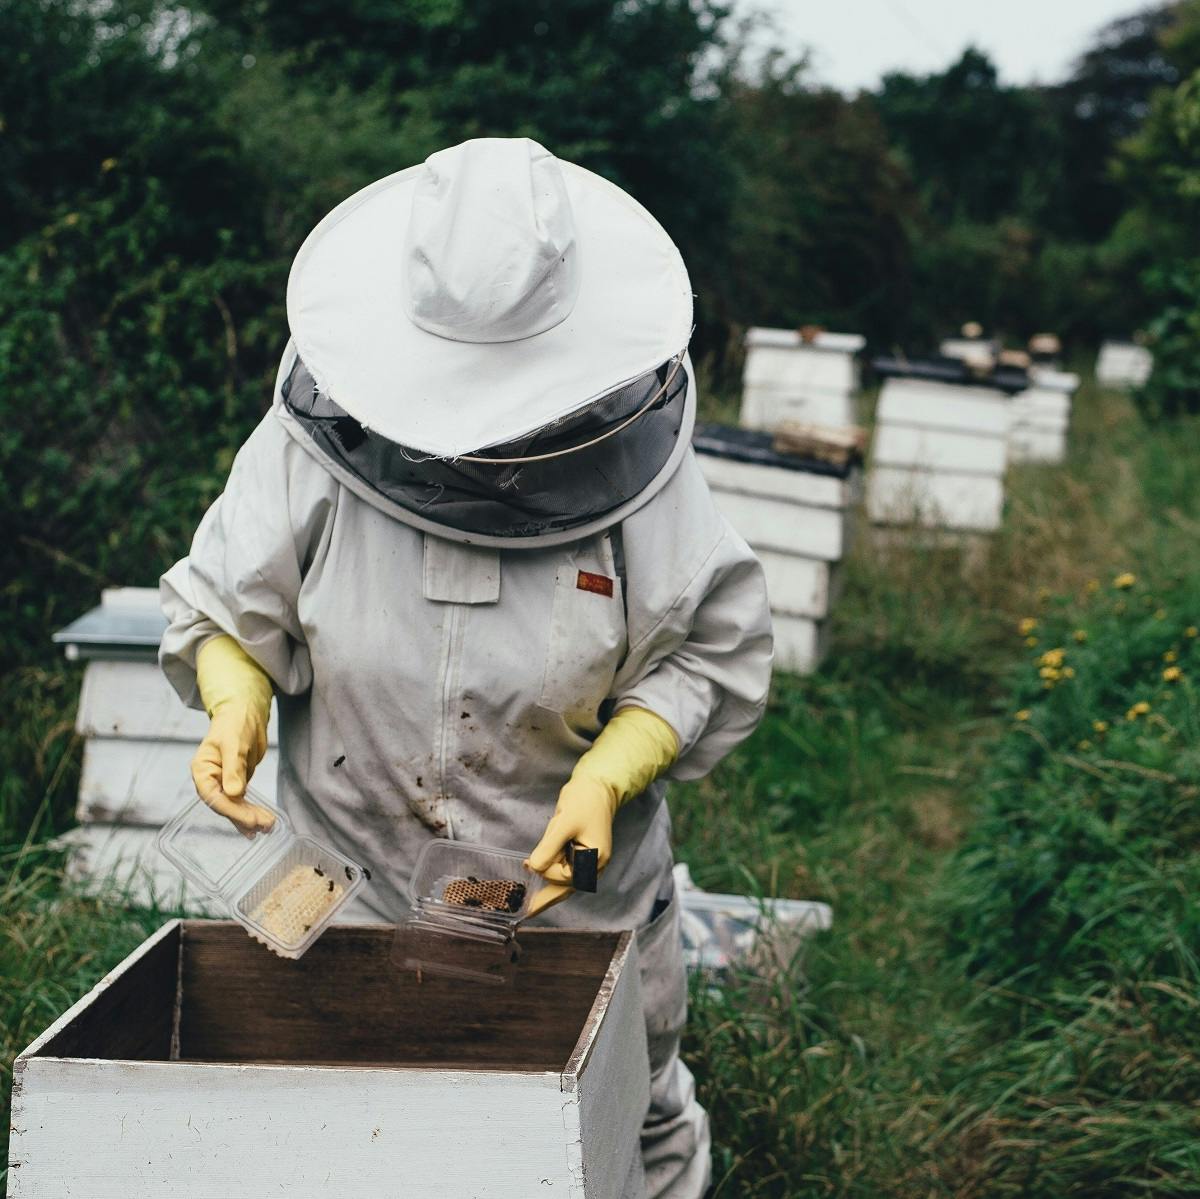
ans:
x=585 y=866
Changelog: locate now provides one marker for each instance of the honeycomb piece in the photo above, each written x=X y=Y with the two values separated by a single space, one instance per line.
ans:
x=492 y=894
x=298 y=901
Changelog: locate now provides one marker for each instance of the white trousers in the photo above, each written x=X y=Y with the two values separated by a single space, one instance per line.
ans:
x=676 y=1161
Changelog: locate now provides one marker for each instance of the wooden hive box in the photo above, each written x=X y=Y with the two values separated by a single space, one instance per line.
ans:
x=940 y=450
x=1123 y=364
x=1041 y=416
x=203 y=1066
x=796 y=514
x=138 y=742
x=787 y=378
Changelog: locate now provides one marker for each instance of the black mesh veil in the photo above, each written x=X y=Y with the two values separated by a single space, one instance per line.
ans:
x=511 y=498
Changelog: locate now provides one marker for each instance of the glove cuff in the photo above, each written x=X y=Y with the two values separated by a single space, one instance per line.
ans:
x=226 y=674
x=632 y=750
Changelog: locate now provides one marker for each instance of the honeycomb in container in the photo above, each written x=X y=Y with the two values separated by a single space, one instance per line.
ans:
x=491 y=894
x=298 y=901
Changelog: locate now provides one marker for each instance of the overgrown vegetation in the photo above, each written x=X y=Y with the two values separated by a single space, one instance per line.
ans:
x=1007 y=1001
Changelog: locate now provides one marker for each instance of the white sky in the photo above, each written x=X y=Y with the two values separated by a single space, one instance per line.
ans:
x=855 y=42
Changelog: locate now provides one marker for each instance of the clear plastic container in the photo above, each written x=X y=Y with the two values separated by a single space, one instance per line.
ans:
x=282 y=888
x=457 y=879
x=467 y=903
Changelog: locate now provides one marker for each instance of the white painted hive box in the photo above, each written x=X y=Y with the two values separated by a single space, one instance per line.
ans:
x=939 y=455
x=797 y=516
x=204 y=1066
x=1123 y=364
x=789 y=379
x=138 y=742
x=1041 y=416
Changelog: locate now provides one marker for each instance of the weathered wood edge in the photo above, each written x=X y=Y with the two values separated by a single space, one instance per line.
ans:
x=578 y=1060
x=170 y=928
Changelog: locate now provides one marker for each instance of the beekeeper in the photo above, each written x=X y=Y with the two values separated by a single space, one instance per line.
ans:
x=471 y=554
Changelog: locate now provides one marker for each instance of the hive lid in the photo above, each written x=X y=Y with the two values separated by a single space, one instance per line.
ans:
x=127 y=623
x=752 y=445
x=951 y=370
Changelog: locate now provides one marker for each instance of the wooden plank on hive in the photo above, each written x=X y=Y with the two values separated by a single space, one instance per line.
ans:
x=121 y=864
x=799 y=487
x=938 y=450
x=799 y=643
x=933 y=405
x=134 y=699
x=774 y=524
x=138 y=781
x=797 y=586
x=963 y=502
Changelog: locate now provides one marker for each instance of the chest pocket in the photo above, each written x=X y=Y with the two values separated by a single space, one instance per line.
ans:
x=587 y=639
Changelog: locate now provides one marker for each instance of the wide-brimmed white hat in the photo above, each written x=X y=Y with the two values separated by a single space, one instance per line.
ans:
x=484 y=294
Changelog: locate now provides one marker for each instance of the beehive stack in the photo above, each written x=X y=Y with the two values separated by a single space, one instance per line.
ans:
x=138 y=742
x=1124 y=365
x=940 y=448
x=804 y=376
x=796 y=514
x=1041 y=417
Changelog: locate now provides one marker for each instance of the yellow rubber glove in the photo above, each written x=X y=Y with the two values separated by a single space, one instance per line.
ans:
x=633 y=749
x=237 y=695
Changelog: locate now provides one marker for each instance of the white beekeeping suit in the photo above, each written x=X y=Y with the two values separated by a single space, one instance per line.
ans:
x=441 y=658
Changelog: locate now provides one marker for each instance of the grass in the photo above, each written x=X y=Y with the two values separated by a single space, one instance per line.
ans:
x=1006 y=1003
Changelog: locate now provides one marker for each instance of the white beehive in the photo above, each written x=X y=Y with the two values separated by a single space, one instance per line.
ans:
x=796 y=515
x=138 y=742
x=1041 y=416
x=203 y=1066
x=1123 y=364
x=787 y=378
x=939 y=455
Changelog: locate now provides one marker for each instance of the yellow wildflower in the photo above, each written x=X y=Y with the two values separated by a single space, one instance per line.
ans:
x=1068 y=672
x=1161 y=614
x=108 y=164
x=1053 y=657
x=1191 y=631
x=1138 y=709
x=1125 y=580
x=1031 y=642
x=1023 y=714
x=1085 y=744
x=1049 y=672
x=1100 y=726
x=1170 y=656
x=72 y=218
x=1171 y=674
x=1093 y=585
x=1080 y=635
x=1026 y=626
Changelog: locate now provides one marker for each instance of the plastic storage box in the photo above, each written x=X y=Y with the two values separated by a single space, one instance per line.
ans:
x=282 y=888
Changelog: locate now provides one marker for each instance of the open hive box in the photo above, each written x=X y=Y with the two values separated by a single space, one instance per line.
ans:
x=203 y=1066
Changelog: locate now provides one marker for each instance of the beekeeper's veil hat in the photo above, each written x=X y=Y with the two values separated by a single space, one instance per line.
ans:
x=493 y=341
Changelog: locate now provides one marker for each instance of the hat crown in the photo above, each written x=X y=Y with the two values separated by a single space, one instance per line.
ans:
x=490 y=253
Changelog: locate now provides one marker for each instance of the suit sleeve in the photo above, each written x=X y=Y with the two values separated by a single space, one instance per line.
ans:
x=699 y=624
x=246 y=565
